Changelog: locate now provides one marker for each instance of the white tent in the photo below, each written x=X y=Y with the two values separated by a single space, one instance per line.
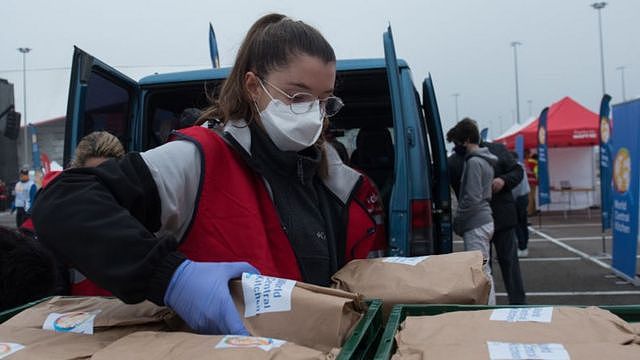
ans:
x=573 y=178
x=516 y=127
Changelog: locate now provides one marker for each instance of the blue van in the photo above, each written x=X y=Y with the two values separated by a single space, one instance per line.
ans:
x=389 y=132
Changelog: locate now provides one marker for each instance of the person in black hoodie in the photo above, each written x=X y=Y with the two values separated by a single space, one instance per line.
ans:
x=508 y=175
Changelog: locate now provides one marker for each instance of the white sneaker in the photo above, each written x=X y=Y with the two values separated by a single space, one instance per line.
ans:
x=523 y=253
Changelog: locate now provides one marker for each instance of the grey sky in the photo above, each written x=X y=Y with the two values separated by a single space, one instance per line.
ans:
x=464 y=44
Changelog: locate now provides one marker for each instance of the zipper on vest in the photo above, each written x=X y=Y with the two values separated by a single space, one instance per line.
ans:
x=300 y=171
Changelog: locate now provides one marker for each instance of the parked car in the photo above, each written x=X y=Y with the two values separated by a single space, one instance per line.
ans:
x=389 y=131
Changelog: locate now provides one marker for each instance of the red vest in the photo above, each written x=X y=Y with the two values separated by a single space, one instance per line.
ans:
x=236 y=220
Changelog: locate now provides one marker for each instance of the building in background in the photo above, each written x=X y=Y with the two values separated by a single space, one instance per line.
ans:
x=50 y=135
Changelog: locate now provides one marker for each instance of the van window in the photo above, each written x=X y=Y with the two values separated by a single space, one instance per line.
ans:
x=174 y=108
x=365 y=126
x=107 y=108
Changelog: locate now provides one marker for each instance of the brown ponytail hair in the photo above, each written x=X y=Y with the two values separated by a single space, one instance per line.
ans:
x=270 y=44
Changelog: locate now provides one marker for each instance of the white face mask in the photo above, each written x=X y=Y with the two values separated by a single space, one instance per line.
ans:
x=289 y=131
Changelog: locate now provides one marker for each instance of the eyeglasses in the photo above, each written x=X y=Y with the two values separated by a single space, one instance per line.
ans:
x=302 y=103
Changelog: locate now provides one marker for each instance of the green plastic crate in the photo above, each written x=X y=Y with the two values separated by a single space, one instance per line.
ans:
x=387 y=345
x=360 y=345
x=8 y=314
x=364 y=338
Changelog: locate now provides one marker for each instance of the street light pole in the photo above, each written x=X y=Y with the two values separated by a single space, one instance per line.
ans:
x=515 y=44
x=624 y=95
x=455 y=98
x=25 y=51
x=599 y=6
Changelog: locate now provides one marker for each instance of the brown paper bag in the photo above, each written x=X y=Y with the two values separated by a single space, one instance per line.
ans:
x=320 y=318
x=568 y=325
x=469 y=351
x=636 y=328
x=455 y=278
x=111 y=313
x=44 y=344
x=180 y=345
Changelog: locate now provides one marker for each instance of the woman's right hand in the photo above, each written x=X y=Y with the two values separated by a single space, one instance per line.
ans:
x=199 y=293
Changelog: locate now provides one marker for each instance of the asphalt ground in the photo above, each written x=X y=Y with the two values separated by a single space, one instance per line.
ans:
x=7 y=219
x=567 y=265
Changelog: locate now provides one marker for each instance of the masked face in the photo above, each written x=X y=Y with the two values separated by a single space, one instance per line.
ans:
x=290 y=131
x=293 y=100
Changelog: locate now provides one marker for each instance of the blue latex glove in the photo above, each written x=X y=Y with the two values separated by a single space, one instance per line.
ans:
x=199 y=293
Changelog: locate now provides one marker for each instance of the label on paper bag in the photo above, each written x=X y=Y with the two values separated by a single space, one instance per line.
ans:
x=7 y=348
x=244 y=342
x=79 y=322
x=263 y=294
x=534 y=314
x=413 y=261
x=512 y=351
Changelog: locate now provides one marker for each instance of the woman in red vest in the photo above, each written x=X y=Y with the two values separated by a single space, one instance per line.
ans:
x=262 y=193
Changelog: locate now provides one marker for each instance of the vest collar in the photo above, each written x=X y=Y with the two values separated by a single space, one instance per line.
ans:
x=341 y=180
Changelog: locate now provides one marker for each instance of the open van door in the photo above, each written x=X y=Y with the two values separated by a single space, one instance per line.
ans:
x=100 y=98
x=399 y=216
x=441 y=192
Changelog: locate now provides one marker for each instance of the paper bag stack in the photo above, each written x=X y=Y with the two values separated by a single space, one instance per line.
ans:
x=76 y=327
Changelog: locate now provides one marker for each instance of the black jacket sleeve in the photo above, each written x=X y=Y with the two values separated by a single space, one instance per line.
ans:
x=509 y=170
x=101 y=221
x=502 y=204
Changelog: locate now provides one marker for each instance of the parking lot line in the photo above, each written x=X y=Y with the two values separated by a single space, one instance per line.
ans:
x=583 y=238
x=569 y=225
x=535 y=259
x=572 y=249
x=574 y=238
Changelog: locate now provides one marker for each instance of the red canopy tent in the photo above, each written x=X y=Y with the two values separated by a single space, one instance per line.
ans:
x=569 y=124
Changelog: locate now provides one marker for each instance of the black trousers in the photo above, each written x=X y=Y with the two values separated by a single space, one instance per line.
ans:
x=21 y=216
x=522 y=230
x=504 y=241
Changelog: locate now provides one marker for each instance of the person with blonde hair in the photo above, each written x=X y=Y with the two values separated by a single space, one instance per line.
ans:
x=96 y=148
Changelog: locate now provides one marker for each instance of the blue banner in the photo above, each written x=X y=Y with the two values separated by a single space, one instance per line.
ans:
x=544 y=194
x=484 y=134
x=625 y=150
x=35 y=149
x=213 y=48
x=520 y=148
x=605 y=162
